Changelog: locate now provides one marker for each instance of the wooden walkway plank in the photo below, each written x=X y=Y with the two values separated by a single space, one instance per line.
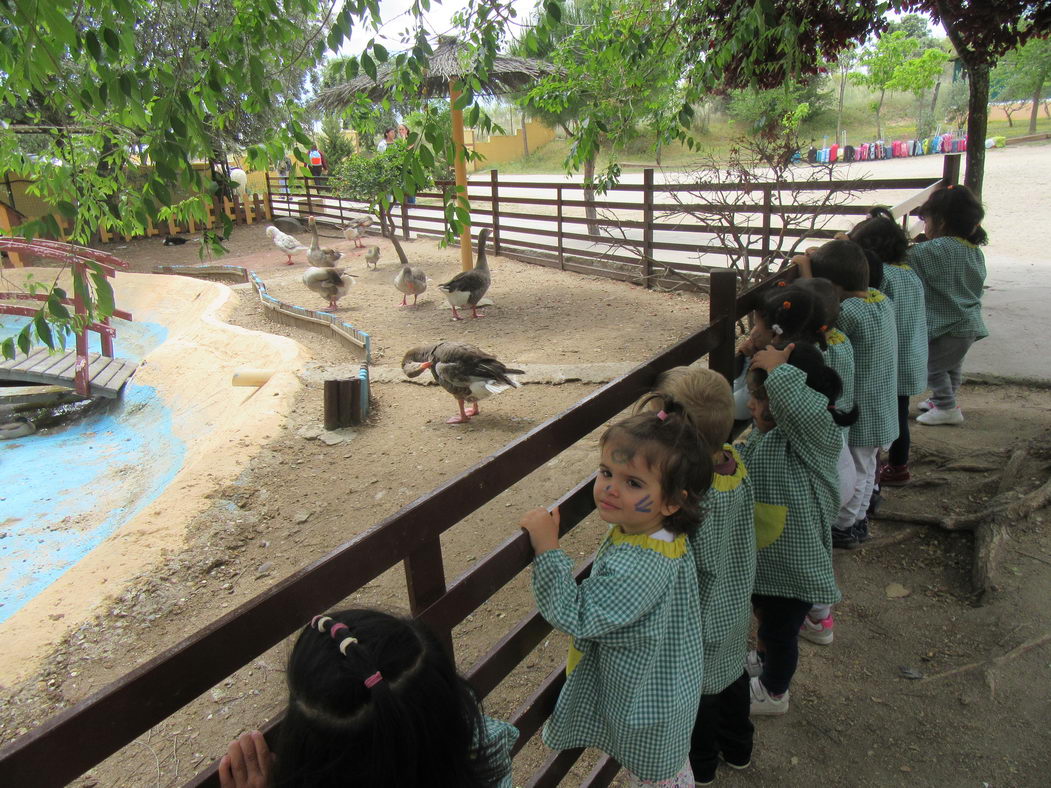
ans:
x=25 y=362
x=116 y=383
x=48 y=363
x=107 y=375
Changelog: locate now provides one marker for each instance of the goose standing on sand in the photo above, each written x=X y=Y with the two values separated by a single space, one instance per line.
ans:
x=372 y=257
x=356 y=229
x=466 y=372
x=468 y=287
x=330 y=283
x=286 y=243
x=410 y=281
x=316 y=256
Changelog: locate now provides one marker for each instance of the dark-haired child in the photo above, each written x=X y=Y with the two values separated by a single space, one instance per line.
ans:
x=791 y=456
x=374 y=700
x=952 y=269
x=884 y=240
x=723 y=551
x=636 y=661
x=867 y=318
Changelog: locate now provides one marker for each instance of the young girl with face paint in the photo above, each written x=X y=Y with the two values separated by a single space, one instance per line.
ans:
x=635 y=662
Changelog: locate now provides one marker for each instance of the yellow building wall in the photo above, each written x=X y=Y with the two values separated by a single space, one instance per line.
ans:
x=501 y=148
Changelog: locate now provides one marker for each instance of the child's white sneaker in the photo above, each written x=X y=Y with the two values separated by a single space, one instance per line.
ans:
x=819 y=632
x=752 y=664
x=936 y=416
x=763 y=703
x=926 y=405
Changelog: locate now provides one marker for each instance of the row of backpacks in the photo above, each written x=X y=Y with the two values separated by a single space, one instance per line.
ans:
x=867 y=151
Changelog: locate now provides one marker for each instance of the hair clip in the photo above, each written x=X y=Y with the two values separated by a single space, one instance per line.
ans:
x=662 y=414
x=786 y=304
x=318 y=622
x=777 y=329
x=344 y=643
x=373 y=680
x=822 y=328
x=336 y=628
x=950 y=186
x=782 y=284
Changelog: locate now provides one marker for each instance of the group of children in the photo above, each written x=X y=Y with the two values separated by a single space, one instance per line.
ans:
x=703 y=536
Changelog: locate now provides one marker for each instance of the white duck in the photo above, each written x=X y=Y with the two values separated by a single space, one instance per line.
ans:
x=356 y=230
x=330 y=283
x=410 y=281
x=286 y=243
x=466 y=372
x=316 y=256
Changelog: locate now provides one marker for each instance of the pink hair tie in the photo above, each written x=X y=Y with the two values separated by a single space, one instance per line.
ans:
x=373 y=680
x=337 y=628
x=662 y=414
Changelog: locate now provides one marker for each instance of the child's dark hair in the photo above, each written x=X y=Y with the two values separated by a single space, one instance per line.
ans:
x=881 y=235
x=842 y=263
x=668 y=442
x=826 y=310
x=375 y=700
x=792 y=313
x=956 y=212
x=875 y=269
x=819 y=376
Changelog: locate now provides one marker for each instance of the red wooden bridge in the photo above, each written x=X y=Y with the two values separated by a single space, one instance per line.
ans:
x=91 y=374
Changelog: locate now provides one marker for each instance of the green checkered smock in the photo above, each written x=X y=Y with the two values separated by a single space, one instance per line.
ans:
x=793 y=471
x=723 y=550
x=635 y=667
x=952 y=271
x=840 y=356
x=905 y=290
x=869 y=322
x=498 y=737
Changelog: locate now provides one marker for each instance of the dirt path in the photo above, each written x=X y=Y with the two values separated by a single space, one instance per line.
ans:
x=854 y=721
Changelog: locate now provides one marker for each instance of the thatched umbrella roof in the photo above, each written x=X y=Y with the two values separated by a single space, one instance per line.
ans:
x=506 y=75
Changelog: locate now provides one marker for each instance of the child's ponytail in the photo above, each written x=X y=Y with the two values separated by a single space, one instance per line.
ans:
x=793 y=314
x=819 y=377
x=882 y=236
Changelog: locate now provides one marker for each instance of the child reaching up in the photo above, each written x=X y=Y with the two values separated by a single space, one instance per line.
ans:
x=952 y=269
x=723 y=551
x=791 y=456
x=867 y=318
x=882 y=237
x=374 y=700
x=635 y=663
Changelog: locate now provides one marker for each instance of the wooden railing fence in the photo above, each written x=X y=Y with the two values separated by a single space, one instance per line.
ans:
x=99 y=726
x=666 y=235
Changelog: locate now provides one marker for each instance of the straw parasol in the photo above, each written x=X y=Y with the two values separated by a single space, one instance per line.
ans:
x=445 y=69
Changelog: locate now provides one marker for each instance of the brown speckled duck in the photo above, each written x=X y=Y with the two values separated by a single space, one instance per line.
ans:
x=466 y=372
x=468 y=287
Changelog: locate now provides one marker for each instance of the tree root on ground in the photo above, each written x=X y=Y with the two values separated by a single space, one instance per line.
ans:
x=990 y=524
x=995 y=662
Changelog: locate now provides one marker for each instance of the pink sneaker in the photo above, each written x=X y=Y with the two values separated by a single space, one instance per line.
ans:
x=819 y=632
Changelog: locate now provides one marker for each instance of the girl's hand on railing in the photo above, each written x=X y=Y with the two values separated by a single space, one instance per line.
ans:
x=771 y=358
x=542 y=529
x=247 y=763
x=840 y=237
x=803 y=262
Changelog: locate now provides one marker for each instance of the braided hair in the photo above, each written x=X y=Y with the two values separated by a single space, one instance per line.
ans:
x=375 y=700
x=668 y=442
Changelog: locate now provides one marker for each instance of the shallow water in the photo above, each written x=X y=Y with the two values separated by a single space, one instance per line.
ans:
x=65 y=489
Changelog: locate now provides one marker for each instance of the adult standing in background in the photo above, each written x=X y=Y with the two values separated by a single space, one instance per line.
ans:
x=316 y=161
x=389 y=136
x=403 y=135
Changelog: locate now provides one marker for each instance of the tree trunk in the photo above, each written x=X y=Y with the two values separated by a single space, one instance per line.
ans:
x=1038 y=88
x=934 y=99
x=590 y=212
x=977 y=126
x=879 y=108
x=839 y=110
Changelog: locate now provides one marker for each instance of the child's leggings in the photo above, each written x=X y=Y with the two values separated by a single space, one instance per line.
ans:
x=945 y=368
x=865 y=478
x=899 y=450
x=722 y=726
x=779 y=621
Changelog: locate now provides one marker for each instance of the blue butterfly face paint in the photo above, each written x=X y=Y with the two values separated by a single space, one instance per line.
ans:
x=645 y=505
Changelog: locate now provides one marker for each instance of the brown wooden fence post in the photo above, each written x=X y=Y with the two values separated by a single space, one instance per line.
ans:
x=494 y=179
x=331 y=404
x=561 y=240
x=951 y=169
x=425 y=581
x=722 y=306
x=306 y=187
x=647 y=230
x=767 y=210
